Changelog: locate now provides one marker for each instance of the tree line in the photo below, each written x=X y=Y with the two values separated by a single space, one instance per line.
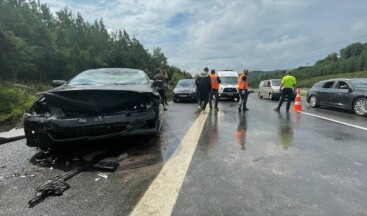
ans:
x=350 y=59
x=36 y=45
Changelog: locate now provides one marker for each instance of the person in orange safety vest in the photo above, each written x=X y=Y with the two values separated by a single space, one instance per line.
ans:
x=215 y=81
x=243 y=90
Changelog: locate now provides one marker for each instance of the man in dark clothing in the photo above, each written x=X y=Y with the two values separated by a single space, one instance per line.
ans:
x=215 y=81
x=204 y=87
x=197 y=81
x=162 y=76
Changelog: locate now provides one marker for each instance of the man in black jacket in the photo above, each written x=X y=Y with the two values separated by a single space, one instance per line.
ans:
x=204 y=87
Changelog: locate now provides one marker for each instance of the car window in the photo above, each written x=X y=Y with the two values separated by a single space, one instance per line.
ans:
x=186 y=84
x=328 y=84
x=342 y=85
x=276 y=82
x=265 y=84
x=229 y=80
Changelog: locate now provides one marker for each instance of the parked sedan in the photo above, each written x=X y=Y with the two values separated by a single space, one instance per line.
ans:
x=350 y=94
x=185 y=90
x=95 y=104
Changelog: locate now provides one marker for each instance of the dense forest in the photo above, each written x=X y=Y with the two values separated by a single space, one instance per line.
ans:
x=346 y=63
x=37 y=46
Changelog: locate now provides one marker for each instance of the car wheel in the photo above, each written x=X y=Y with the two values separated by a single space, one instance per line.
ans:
x=271 y=96
x=175 y=101
x=360 y=107
x=313 y=101
x=259 y=95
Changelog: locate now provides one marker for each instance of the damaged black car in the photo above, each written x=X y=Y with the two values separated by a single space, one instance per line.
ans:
x=95 y=104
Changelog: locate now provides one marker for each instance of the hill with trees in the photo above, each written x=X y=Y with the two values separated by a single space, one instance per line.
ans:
x=351 y=61
x=37 y=46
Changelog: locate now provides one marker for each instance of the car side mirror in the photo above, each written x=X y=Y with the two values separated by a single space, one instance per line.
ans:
x=57 y=83
x=350 y=90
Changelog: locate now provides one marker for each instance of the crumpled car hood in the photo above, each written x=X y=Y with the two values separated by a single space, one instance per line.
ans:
x=89 y=99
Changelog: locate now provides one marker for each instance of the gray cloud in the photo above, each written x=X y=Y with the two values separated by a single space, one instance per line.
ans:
x=260 y=35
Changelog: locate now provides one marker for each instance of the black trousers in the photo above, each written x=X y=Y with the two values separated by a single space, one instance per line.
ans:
x=243 y=98
x=162 y=93
x=286 y=93
x=203 y=100
x=213 y=92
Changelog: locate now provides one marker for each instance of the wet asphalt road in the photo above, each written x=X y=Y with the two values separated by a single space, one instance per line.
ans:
x=256 y=163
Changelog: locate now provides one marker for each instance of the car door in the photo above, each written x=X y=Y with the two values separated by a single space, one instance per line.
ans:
x=342 y=95
x=325 y=93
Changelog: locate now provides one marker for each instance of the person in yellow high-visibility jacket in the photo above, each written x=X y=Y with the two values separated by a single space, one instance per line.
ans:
x=243 y=90
x=288 y=84
x=215 y=81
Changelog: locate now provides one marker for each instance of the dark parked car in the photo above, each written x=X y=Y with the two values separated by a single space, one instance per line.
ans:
x=350 y=94
x=95 y=104
x=185 y=90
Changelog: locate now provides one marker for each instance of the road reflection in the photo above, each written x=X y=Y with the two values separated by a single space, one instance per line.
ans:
x=241 y=131
x=213 y=129
x=285 y=130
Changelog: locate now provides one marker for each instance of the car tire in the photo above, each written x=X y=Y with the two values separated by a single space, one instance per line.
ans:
x=175 y=100
x=314 y=103
x=360 y=106
x=271 y=96
x=259 y=96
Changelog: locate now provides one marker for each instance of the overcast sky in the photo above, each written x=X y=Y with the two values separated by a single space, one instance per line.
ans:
x=232 y=34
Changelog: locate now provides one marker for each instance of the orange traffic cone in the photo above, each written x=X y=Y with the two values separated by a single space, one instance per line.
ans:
x=297 y=106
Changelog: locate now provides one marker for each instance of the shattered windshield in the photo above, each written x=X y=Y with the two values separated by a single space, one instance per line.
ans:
x=114 y=76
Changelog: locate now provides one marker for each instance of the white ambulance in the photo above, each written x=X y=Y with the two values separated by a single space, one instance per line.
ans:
x=228 y=87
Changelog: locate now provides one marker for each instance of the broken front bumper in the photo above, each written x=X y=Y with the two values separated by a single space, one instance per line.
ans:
x=51 y=132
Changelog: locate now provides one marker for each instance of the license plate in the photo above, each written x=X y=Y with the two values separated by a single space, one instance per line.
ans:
x=182 y=95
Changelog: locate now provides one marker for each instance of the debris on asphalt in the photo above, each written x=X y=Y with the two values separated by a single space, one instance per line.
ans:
x=16 y=175
x=3 y=166
x=56 y=185
x=97 y=179
x=90 y=156
x=51 y=168
x=23 y=176
x=122 y=157
x=77 y=158
x=103 y=175
x=106 y=166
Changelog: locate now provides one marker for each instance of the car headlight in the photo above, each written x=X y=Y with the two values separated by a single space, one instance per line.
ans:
x=220 y=88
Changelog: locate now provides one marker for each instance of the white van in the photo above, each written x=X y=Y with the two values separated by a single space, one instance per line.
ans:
x=228 y=87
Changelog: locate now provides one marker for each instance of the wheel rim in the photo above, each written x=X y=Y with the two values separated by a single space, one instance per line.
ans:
x=360 y=107
x=313 y=101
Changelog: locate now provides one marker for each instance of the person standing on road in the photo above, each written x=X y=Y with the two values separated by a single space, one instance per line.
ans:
x=165 y=87
x=243 y=91
x=204 y=88
x=288 y=83
x=215 y=81
x=162 y=76
x=197 y=82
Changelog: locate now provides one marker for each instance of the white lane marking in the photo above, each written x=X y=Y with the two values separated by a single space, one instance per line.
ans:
x=162 y=194
x=336 y=121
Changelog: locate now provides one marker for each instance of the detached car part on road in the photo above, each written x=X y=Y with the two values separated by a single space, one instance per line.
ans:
x=350 y=94
x=95 y=104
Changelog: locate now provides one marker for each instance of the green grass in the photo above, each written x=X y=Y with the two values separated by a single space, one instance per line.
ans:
x=15 y=99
